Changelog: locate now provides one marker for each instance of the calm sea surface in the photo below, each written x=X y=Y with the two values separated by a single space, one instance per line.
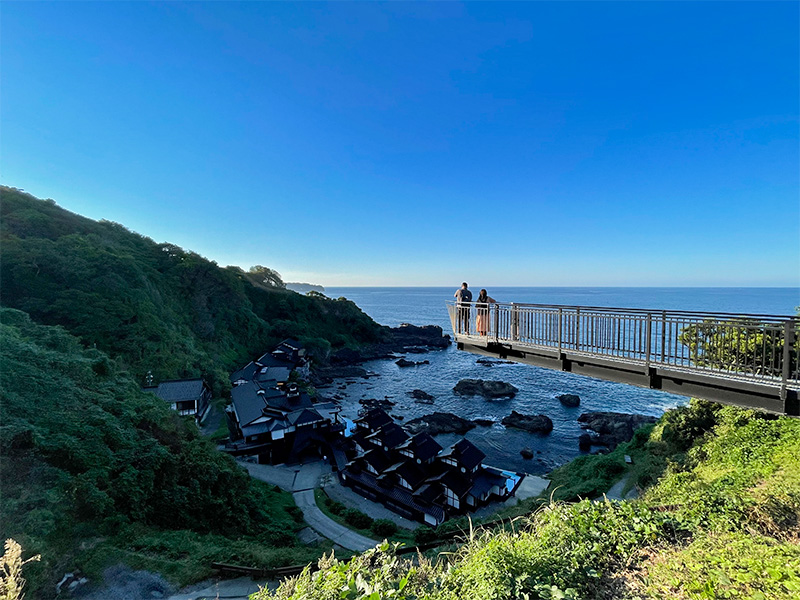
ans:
x=538 y=387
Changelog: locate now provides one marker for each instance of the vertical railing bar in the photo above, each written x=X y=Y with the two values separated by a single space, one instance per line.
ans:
x=788 y=330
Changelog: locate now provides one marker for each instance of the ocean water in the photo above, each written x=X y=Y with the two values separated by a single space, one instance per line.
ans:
x=538 y=387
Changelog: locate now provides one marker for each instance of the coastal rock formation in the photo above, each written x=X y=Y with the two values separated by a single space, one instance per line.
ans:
x=430 y=336
x=487 y=389
x=613 y=428
x=526 y=453
x=413 y=339
x=328 y=374
x=483 y=422
x=421 y=396
x=569 y=400
x=370 y=403
x=410 y=363
x=490 y=362
x=437 y=423
x=532 y=423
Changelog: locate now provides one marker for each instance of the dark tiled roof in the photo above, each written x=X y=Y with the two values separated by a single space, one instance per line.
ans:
x=396 y=494
x=278 y=374
x=390 y=435
x=250 y=400
x=269 y=360
x=422 y=445
x=466 y=453
x=409 y=471
x=180 y=390
x=378 y=459
x=270 y=425
x=246 y=372
x=484 y=481
x=455 y=481
x=286 y=404
x=428 y=492
x=303 y=416
x=375 y=419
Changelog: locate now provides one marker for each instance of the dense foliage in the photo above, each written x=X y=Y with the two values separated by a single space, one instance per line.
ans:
x=723 y=520
x=87 y=454
x=157 y=307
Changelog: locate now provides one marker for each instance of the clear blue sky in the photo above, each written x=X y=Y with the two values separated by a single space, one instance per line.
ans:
x=421 y=144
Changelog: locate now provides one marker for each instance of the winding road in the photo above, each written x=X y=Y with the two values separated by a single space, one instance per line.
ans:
x=301 y=481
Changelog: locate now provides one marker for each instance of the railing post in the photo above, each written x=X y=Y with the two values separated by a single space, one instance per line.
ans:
x=560 y=316
x=578 y=329
x=514 y=322
x=647 y=343
x=788 y=330
x=663 y=336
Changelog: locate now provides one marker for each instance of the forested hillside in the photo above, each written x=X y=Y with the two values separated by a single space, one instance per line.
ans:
x=156 y=307
x=96 y=471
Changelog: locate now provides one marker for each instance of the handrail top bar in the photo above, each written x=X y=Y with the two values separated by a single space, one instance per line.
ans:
x=641 y=311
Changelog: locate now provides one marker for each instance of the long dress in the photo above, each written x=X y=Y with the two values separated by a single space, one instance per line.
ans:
x=482 y=321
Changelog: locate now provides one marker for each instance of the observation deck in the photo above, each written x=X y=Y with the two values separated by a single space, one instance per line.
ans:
x=745 y=360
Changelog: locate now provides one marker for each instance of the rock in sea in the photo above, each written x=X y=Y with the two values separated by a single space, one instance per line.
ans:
x=437 y=423
x=410 y=363
x=421 y=396
x=569 y=400
x=532 y=423
x=487 y=389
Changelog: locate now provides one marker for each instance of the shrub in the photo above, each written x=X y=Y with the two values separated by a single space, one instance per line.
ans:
x=383 y=528
x=336 y=508
x=424 y=535
x=295 y=513
x=357 y=519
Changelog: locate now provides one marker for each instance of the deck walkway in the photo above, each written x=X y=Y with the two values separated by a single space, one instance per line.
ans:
x=744 y=360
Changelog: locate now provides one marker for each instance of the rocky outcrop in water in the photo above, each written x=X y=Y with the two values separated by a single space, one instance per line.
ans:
x=532 y=423
x=370 y=403
x=439 y=422
x=487 y=389
x=327 y=374
x=410 y=363
x=526 y=453
x=483 y=422
x=490 y=362
x=611 y=428
x=413 y=339
x=421 y=396
x=569 y=400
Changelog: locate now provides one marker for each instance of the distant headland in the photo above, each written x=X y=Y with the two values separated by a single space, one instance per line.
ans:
x=303 y=288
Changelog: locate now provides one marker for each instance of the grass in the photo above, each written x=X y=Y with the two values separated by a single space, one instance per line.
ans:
x=722 y=520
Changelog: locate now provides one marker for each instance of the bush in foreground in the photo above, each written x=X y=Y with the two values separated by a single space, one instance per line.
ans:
x=723 y=522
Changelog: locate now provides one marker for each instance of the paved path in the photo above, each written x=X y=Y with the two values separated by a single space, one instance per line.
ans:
x=228 y=589
x=351 y=499
x=321 y=523
x=302 y=480
x=211 y=421
x=615 y=493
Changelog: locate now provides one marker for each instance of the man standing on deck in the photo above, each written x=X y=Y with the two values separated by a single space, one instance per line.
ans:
x=463 y=297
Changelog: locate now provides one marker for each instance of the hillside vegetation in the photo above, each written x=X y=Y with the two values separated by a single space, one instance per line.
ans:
x=157 y=307
x=721 y=522
x=95 y=470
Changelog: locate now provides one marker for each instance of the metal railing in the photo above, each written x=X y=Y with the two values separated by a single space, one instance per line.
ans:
x=762 y=348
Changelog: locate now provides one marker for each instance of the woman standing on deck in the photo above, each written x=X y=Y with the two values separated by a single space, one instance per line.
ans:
x=482 y=304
